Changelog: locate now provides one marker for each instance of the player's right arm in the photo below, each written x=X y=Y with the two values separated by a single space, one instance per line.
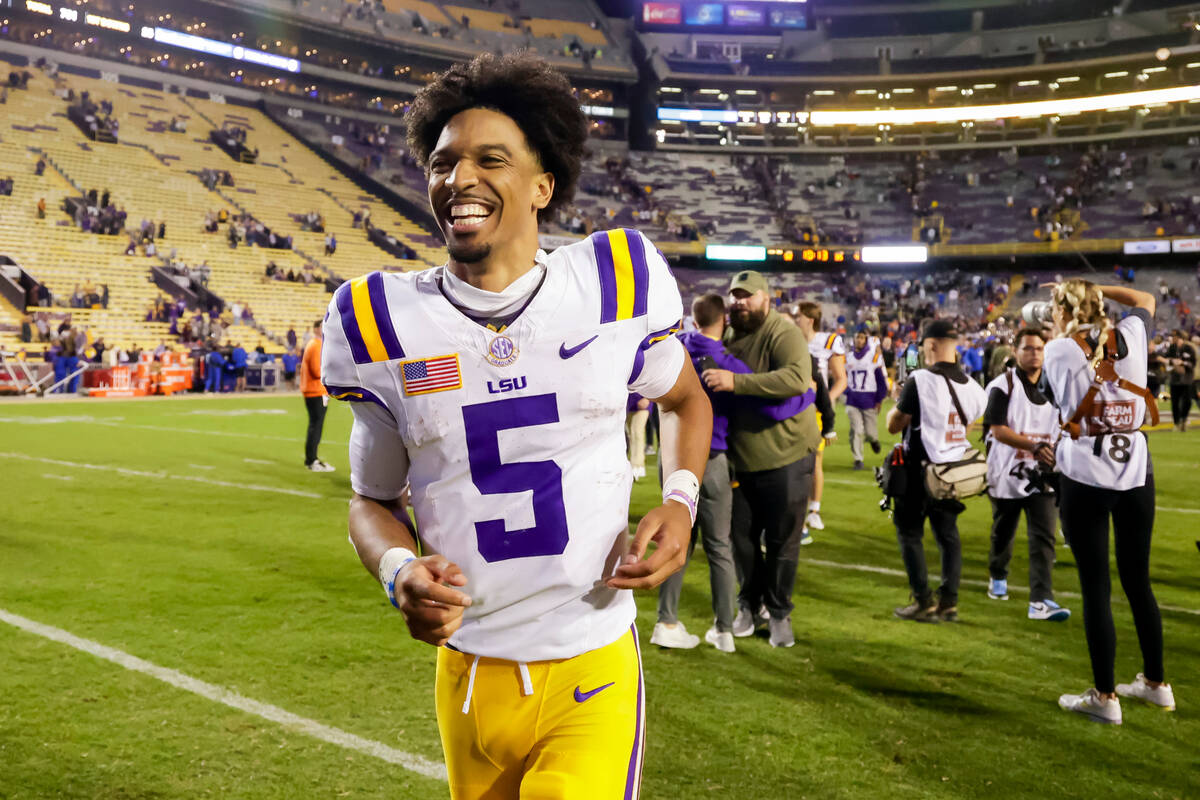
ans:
x=423 y=588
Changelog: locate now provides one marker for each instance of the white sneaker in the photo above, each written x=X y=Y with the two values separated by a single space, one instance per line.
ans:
x=722 y=640
x=639 y=473
x=675 y=636
x=806 y=538
x=320 y=466
x=1049 y=610
x=813 y=520
x=745 y=622
x=781 y=632
x=1091 y=706
x=1163 y=696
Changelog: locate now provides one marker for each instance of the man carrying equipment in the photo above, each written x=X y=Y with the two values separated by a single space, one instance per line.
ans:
x=1021 y=430
x=935 y=432
x=494 y=390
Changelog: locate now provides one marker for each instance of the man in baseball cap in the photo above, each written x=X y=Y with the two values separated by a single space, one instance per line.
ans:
x=774 y=460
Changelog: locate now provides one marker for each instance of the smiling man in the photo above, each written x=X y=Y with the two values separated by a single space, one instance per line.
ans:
x=493 y=389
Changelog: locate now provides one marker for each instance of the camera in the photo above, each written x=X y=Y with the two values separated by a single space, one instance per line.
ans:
x=1038 y=312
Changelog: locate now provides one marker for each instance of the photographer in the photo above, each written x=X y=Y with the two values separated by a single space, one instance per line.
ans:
x=1095 y=374
x=1181 y=364
x=934 y=432
x=1021 y=425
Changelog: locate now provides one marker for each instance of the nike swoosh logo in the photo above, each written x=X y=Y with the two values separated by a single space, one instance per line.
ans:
x=565 y=352
x=582 y=696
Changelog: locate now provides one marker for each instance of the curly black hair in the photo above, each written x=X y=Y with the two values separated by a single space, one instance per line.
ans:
x=522 y=86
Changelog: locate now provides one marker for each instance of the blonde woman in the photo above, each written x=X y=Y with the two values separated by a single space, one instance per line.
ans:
x=1095 y=371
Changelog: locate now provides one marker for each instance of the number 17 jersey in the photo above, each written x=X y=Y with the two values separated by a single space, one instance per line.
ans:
x=512 y=441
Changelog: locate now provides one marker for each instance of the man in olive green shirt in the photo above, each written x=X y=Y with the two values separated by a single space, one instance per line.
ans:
x=773 y=460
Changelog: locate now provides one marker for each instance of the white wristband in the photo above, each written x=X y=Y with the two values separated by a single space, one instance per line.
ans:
x=390 y=565
x=682 y=486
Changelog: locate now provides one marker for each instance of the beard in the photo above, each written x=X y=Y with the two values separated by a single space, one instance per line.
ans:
x=747 y=320
x=469 y=253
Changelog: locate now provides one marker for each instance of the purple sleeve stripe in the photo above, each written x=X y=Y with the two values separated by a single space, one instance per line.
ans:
x=641 y=273
x=356 y=394
x=345 y=307
x=383 y=320
x=633 y=780
x=608 y=277
x=639 y=358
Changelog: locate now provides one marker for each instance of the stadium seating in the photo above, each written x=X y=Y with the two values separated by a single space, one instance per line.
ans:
x=153 y=174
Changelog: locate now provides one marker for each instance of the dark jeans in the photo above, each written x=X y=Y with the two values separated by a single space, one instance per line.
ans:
x=316 y=423
x=1181 y=402
x=909 y=513
x=1085 y=513
x=712 y=527
x=768 y=508
x=1040 y=518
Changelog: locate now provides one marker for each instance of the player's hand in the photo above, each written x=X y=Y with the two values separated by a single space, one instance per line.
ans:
x=719 y=380
x=432 y=607
x=670 y=527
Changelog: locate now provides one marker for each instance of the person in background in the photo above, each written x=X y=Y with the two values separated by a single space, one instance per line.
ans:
x=774 y=462
x=637 y=412
x=934 y=433
x=291 y=359
x=866 y=386
x=830 y=352
x=238 y=360
x=1106 y=472
x=1180 y=360
x=1021 y=426
x=214 y=364
x=315 y=400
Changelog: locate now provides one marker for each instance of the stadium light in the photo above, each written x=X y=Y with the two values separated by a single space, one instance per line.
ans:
x=1031 y=110
x=896 y=254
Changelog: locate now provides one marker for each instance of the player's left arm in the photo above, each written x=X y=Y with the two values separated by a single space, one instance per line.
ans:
x=664 y=374
x=685 y=436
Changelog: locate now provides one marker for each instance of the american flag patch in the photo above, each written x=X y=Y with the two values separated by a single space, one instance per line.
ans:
x=425 y=375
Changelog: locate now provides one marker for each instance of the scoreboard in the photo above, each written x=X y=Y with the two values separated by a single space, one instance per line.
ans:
x=732 y=16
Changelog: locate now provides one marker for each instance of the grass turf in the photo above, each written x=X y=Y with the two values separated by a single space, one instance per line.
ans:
x=216 y=554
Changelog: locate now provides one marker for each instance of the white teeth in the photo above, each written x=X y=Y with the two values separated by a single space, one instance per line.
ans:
x=469 y=220
x=469 y=210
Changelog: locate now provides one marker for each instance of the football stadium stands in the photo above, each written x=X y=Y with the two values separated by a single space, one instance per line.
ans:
x=154 y=175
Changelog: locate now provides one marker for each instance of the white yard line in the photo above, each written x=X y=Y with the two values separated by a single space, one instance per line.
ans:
x=899 y=573
x=219 y=694
x=257 y=461
x=297 y=439
x=54 y=477
x=138 y=473
x=1178 y=510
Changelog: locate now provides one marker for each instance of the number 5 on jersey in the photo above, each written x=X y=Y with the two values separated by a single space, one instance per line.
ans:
x=483 y=423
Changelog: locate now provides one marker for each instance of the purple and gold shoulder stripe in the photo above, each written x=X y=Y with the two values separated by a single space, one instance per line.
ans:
x=362 y=306
x=624 y=276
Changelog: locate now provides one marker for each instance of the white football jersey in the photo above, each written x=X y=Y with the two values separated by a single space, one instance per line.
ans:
x=824 y=346
x=861 y=370
x=942 y=432
x=1009 y=467
x=513 y=441
x=1111 y=452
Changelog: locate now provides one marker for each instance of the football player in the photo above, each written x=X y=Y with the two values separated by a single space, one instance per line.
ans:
x=830 y=352
x=493 y=390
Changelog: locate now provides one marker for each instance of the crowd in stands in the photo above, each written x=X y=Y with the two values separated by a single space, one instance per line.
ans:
x=6 y=186
x=98 y=214
x=212 y=177
x=306 y=275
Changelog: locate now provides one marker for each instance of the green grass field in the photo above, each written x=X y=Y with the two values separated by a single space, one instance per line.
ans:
x=185 y=532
